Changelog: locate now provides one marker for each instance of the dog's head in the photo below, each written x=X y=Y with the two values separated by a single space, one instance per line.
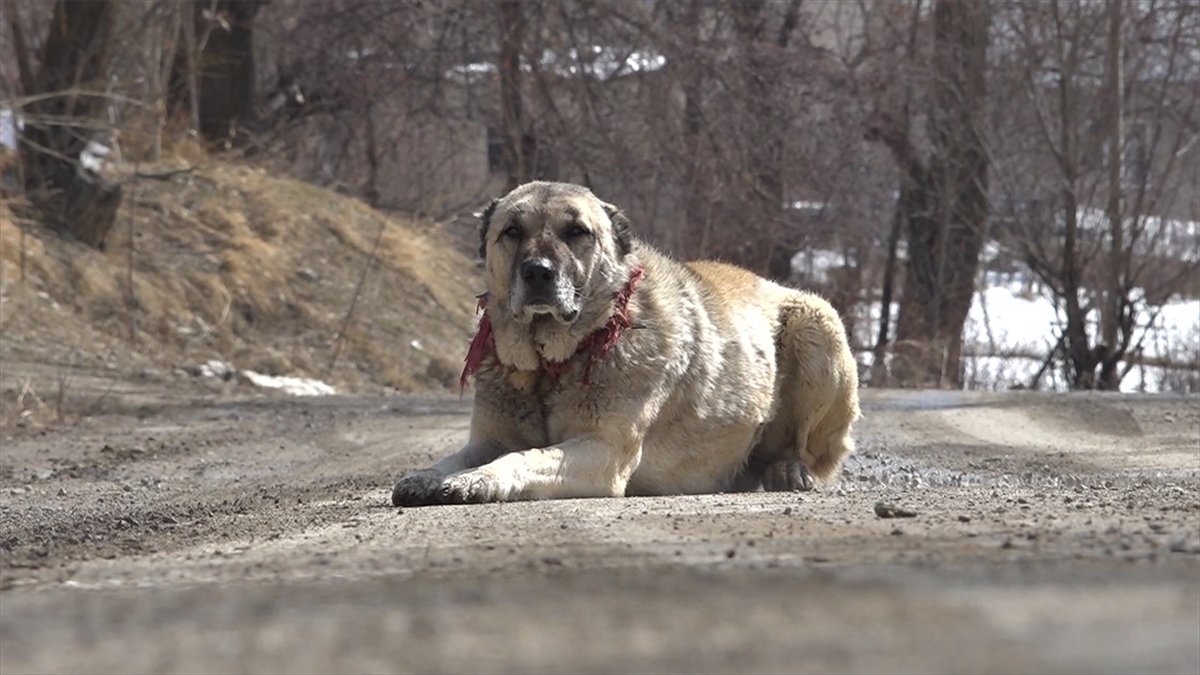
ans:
x=550 y=249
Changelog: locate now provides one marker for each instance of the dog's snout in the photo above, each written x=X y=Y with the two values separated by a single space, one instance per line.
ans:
x=538 y=272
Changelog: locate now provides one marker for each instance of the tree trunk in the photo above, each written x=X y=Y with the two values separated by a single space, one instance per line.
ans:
x=370 y=189
x=698 y=202
x=763 y=193
x=520 y=145
x=74 y=68
x=1080 y=356
x=879 y=370
x=948 y=212
x=1079 y=351
x=1112 y=343
x=224 y=65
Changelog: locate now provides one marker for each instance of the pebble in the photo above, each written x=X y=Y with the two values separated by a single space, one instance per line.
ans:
x=889 y=511
x=1185 y=545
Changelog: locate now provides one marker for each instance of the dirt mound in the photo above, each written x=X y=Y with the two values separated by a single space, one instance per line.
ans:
x=226 y=262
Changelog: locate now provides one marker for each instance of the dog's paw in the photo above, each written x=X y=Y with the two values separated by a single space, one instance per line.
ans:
x=472 y=487
x=418 y=488
x=787 y=475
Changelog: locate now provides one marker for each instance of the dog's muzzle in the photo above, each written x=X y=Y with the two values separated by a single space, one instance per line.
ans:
x=540 y=279
x=542 y=290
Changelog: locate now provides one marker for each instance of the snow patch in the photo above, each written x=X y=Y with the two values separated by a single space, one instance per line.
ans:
x=296 y=386
x=1013 y=324
x=814 y=265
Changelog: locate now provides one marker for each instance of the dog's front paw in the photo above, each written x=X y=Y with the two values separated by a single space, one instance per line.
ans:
x=417 y=488
x=472 y=487
x=787 y=475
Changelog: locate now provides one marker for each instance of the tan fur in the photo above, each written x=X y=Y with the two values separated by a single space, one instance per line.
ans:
x=727 y=382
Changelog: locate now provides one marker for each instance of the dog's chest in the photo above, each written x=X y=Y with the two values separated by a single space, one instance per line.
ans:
x=565 y=413
x=545 y=410
x=570 y=409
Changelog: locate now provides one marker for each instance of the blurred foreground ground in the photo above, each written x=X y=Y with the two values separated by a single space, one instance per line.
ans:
x=1054 y=533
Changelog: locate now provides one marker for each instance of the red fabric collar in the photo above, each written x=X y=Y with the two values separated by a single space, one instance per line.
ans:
x=597 y=344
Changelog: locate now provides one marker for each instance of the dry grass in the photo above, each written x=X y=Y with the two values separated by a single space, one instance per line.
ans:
x=229 y=262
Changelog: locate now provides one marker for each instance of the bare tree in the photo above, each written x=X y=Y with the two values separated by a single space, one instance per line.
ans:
x=520 y=144
x=726 y=130
x=213 y=78
x=943 y=197
x=696 y=117
x=65 y=98
x=1103 y=240
x=763 y=126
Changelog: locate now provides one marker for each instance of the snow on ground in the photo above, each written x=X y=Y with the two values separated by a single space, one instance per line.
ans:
x=295 y=386
x=602 y=63
x=1177 y=238
x=1013 y=325
x=815 y=265
x=1006 y=319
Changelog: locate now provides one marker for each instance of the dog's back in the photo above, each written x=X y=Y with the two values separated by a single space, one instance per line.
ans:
x=772 y=387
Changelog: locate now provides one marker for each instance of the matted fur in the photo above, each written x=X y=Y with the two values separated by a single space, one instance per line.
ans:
x=725 y=381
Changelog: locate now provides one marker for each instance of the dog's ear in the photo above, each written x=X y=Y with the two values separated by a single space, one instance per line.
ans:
x=621 y=229
x=485 y=221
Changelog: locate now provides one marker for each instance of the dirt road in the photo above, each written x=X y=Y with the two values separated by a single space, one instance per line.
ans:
x=1053 y=534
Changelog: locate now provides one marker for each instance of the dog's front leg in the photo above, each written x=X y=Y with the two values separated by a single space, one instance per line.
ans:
x=421 y=488
x=580 y=467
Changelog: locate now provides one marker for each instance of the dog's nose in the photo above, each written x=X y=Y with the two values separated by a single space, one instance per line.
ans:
x=538 y=272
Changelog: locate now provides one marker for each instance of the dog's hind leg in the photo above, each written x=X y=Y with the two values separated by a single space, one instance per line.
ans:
x=777 y=462
x=817 y=399
x=787 y=475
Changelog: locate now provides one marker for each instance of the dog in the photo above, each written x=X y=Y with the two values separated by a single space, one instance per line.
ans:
x=604 y=368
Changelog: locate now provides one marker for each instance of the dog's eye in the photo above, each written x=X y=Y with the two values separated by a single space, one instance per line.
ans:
x=575 y=231
x=511 y=232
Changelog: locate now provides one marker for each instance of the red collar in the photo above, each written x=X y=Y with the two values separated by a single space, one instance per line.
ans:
x=597 y=344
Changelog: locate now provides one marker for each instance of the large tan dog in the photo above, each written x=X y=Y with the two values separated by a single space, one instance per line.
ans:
x=604 y=368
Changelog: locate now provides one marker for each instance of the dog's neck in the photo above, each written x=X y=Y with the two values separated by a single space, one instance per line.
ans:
x=594 y=346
